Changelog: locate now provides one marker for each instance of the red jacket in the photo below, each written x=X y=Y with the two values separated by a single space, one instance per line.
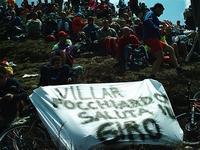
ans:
x=123 y=42
x=77 y=24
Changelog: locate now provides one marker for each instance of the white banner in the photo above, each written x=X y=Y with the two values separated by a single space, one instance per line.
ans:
x=88 y=116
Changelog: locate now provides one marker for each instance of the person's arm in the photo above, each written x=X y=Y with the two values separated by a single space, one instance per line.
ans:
x=101 y=36
x=21 y=95
x=136 y=42
x=19 y=23
x=27 y=24
x=59 y=25
x=40 y=24
x=114 y=33
x=79 y=22
x=120 y=48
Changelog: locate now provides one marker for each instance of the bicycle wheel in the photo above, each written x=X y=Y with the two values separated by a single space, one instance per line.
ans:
x=191 y=131
x=21 y=137
x=197 y=95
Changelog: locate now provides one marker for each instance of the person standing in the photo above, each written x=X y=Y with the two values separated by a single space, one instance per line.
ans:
x=151 y=37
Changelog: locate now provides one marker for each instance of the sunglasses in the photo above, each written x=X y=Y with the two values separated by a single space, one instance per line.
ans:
x=1 y=77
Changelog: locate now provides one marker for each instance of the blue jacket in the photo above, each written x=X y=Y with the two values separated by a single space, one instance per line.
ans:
x=151 y=26
x=88 y=29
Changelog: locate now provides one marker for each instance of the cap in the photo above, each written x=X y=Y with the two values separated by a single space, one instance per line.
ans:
x=62 y=33
x=4 y=62
x=79 y=14
x=157 y=5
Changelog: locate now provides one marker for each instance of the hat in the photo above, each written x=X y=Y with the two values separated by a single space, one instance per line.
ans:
x=156 y=6
x=4 y=62
x=79 y=14
x=62 y=33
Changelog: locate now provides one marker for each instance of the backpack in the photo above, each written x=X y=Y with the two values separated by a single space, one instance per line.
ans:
x=138 y=58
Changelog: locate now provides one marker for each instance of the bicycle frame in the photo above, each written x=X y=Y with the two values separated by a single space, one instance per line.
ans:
x=192 y=125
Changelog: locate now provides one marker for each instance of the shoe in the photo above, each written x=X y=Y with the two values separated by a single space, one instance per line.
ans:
x=182 y=71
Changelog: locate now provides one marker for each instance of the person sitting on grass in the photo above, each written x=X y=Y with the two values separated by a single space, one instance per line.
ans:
x=91 y=29
x=78 y=23
x=126 y=44
x=11 y=95
x=57 y=74
x=102 y=9
x=33 y=26
x=64 y=49
x=107 y=38
x=63 y=24
x=14 y=26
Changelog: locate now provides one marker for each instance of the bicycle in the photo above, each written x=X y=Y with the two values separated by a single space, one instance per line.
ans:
x=189 y=121
x=26 y=133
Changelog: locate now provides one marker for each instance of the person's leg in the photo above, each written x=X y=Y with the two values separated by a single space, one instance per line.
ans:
x=64 y=75
x=126 y=56
x=143 y=50
x=106 y=44
x=67 y=55
x=182 y=49
x=126 y=53
x=156 y=47
x=44 y=76
x=113 y=45
x=63 y=56
x=172 y=56
x=9 y=30
x=157 y=63
x=173 y=60
x=175 y=47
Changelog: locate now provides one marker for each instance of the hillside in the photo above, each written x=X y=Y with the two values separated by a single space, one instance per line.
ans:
x=29 y=55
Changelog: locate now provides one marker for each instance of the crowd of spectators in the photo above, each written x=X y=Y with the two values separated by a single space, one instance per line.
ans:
x=73 y=25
